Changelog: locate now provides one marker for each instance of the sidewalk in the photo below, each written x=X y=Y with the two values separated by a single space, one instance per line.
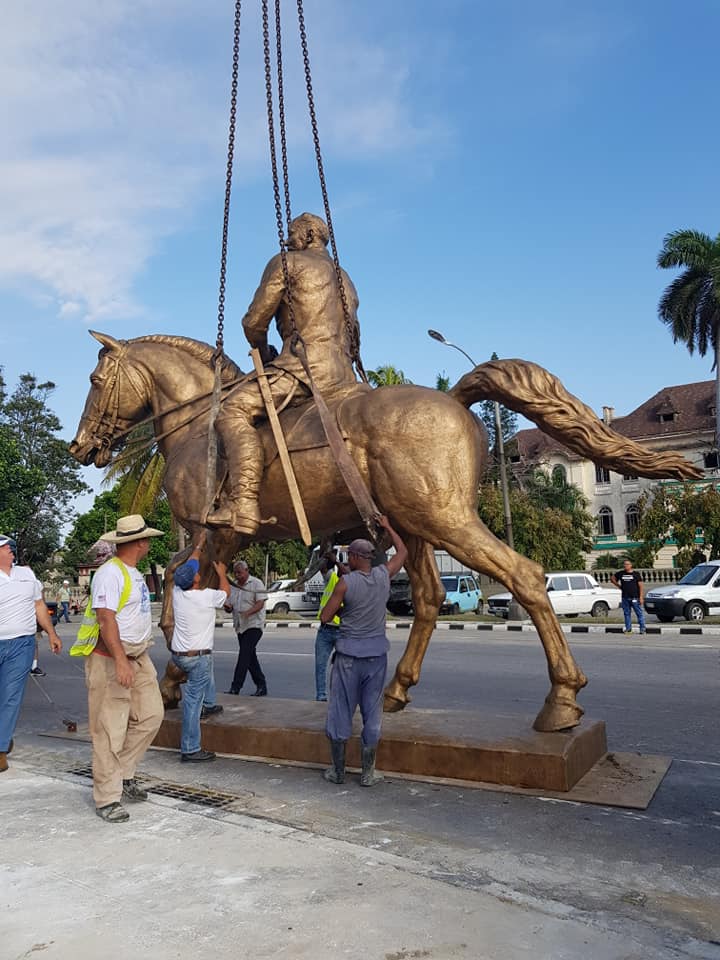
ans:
x=181 y=879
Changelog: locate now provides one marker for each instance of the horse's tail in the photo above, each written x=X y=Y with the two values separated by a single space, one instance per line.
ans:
x=530 y=390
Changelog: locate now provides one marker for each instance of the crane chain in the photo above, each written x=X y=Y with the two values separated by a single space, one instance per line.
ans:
x=281 y=115
x=351 y=329
x=219 y=343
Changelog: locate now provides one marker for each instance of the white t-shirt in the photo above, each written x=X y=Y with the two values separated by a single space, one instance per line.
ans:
x=194 y=612
x=134 y=620
x=244 y=597
x=18 y=592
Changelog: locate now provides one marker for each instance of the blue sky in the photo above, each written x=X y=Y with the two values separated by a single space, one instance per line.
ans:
x=504 y=173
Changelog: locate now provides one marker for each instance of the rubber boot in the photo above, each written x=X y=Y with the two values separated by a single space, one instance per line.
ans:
x=336 y=773
x=368 y=777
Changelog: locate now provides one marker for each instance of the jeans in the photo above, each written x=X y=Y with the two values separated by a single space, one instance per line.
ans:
x=65 y=611
x=16 y=657
x=210 y=692
x=627 y=606
x=199 y=671
x=353 y=681
x=247 y=660
x=324 y=646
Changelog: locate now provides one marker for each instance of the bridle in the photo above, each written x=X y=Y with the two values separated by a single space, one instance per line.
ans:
x=104 y=426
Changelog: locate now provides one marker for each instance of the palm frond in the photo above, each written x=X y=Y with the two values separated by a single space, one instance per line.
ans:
x=687 y=248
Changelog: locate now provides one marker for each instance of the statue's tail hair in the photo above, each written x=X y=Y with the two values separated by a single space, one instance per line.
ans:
x=532 y=391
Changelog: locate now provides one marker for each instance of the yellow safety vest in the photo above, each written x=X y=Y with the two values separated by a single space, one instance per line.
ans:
x=89 y=632
x=329 y=587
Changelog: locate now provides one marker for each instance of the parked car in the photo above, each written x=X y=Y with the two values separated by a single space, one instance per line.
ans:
x=283 y=600
x=694 y=597
x=570 y=593
x=462 y=594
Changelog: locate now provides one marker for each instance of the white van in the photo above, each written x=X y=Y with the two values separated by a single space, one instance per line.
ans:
x=694 y=597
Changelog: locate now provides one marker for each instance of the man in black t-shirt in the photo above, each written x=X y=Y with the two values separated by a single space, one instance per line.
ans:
x=631 y=586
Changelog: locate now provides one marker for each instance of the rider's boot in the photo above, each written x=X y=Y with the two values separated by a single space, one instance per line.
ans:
x=240 y=509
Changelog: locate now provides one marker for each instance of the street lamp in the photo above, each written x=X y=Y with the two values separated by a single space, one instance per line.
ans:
x=500 y=442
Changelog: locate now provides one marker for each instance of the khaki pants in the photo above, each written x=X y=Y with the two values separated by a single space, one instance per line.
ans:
x=123 y=722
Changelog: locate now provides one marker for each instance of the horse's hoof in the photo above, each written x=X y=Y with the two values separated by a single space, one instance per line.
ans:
x=558 y=713
x=396 y=700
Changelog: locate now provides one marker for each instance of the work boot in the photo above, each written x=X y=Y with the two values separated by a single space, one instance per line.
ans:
x=200 y=756
x=113 y=813
x=336 y=773
x=133 y=791
x=368 y=777
x=210 y=711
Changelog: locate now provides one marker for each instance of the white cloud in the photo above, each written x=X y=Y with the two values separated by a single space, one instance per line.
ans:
x=114 y=122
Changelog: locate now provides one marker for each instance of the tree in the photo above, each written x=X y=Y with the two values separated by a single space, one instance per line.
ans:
x=387 y=376
x=138 y=471
x=553 y=536
x=40 y=477
x=442 y=382
x=690 y=306
x=285 y=559
x=508 y=422
x=681 y=512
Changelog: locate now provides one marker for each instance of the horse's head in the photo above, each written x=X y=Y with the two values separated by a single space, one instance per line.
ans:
x=117 y=399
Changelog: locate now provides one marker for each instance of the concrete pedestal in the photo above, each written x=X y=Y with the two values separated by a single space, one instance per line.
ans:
x=459 y=745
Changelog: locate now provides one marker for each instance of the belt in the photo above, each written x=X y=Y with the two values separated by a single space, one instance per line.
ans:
x=191 y=653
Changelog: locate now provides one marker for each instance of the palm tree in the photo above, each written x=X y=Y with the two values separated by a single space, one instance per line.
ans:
x=387 y=376
x=138 y=471
x=690 y=306
x=442 y=382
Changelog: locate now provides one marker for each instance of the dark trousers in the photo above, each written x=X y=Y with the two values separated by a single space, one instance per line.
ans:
x=247 y=660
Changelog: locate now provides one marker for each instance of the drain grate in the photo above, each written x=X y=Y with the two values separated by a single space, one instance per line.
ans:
x=203 y=796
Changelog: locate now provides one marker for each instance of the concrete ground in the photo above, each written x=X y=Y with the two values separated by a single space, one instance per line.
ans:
x=289 y=866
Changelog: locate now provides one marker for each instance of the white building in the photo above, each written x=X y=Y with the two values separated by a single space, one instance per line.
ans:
x=679 y=419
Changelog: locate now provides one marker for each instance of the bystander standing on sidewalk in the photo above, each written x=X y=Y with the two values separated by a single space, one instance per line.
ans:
x=247 y=603
x=360 y=662
x=64 y=601
x=192 y=647
x=21 y=609
x=631 y=587
x=125 y=707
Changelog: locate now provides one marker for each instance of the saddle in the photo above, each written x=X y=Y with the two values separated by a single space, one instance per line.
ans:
x=301 y=424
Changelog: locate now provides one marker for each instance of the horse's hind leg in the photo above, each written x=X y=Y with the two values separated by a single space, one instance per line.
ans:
x=473 y=544
x=427 y=595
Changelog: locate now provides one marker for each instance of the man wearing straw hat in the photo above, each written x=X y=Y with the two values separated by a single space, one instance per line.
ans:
x=125 y=707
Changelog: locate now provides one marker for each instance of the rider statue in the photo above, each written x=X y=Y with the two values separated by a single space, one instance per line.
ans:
x=329 y=341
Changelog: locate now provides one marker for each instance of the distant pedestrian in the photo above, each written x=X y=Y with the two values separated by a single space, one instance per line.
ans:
x=631 y=587
x=64 y=601
x=192 y=648
x=327 y=632
x=360 y=663
x=21 y=609
x=247 y=603
x=125 y=707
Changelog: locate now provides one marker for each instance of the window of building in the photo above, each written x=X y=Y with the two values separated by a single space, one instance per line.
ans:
x=606 y=523
x=667 y=417
x=602 y=475
x=629 y=477
x=559 y=473
x=712 y=460
x=632 y=518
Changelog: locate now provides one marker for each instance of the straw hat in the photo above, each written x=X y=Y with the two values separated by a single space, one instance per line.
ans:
x=131 y=528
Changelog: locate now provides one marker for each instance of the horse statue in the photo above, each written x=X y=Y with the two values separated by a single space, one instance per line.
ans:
x=420 y=452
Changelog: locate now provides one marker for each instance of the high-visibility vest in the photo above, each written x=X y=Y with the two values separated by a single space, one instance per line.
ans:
x=329 y=587
x=89 y=632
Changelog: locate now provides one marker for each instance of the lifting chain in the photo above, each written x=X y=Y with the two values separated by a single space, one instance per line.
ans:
x=219 y=343
x=351 y=329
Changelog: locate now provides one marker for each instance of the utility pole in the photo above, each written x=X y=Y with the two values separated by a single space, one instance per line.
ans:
x=500 y=445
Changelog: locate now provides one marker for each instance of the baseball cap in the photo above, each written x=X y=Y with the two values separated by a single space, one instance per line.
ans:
x=184 y=576
x=362 y=548
x=8 y=541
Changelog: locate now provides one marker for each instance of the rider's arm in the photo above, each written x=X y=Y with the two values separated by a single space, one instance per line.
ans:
x=264 y=306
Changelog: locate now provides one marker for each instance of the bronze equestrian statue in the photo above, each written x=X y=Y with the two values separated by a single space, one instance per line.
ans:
x=420 y=452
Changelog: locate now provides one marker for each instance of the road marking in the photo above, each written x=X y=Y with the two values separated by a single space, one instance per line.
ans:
x=267 y=653
x=704 y=763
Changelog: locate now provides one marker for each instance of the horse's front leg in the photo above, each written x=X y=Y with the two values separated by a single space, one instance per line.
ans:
x=427 y=595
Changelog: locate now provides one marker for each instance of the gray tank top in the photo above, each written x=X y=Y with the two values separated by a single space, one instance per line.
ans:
x=362 y=616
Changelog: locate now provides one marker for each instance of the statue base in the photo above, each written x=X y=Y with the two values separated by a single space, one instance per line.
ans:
x=449 y=744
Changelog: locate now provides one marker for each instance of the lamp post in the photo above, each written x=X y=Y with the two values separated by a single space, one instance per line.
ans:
x=500 y=442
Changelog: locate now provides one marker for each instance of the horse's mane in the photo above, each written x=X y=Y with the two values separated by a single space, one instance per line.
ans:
x=196 y=348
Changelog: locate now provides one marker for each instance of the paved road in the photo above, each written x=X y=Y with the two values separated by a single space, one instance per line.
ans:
x=656 y=869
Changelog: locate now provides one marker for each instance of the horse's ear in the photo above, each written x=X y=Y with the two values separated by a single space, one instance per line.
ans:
x=106 y=340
